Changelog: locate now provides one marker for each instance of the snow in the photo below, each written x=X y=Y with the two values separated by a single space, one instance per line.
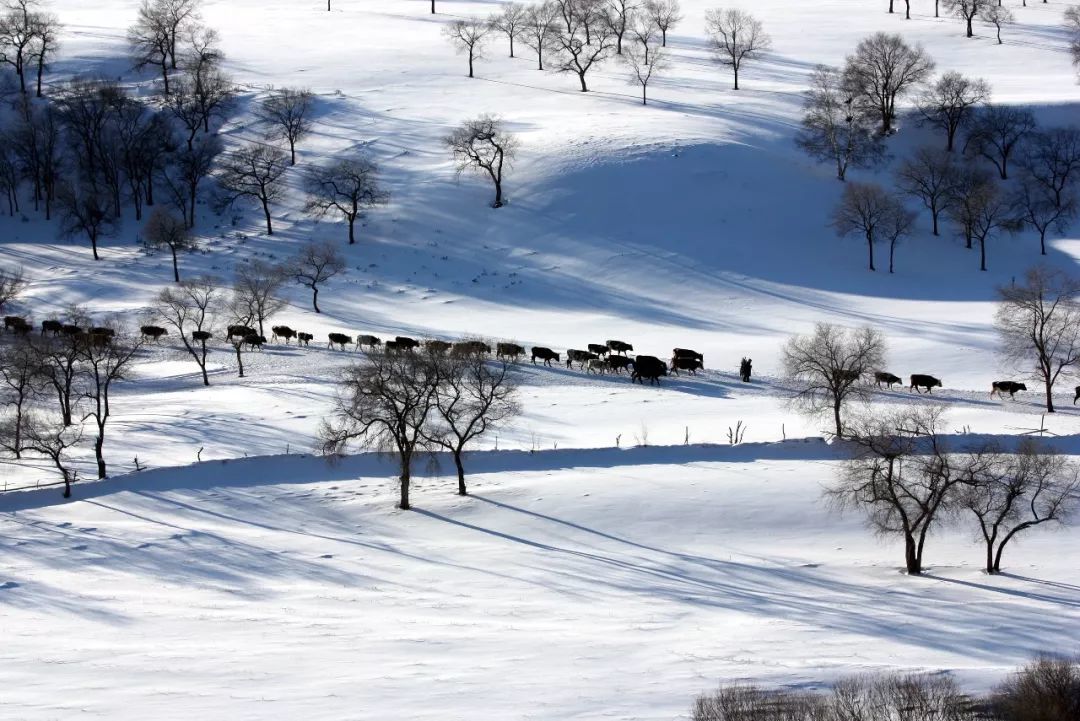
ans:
x=581 y=580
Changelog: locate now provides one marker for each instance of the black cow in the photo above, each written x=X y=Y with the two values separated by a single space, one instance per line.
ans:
x=254 y=340
x=545 y=354
x=1077 y=396
x=304 y=338
x=509 y=350
x=845 y=375
x=392 y=346
x=367 y=340
x=687 y=353
x=338 y=339
x=406 y=343
x=473 y=347
x=438 y=347
x=581 y=356
x=14 y=321
x=1010 y=387
x=71 y=329
x=647 y=366
x=51 y=326
x=201 y=336
x=617 y=362
x=923 y=381
x=617 y=346
x=153 y=332
x=239 y=330
x=600 y=350
x=282 y=331
x=23 y=329
x=887 y=378
x=101 y=335
x=686 y=364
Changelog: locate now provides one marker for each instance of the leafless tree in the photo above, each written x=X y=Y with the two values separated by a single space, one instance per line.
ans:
x=186 y=173
x=1033 y=204
x=1046 y=689
x=966 y=10
x=46 y=30
x=12 y=284
x=467 y=37
x=541 y=30
x=736 y=36
x=288 y=113
x=511 y=20
x=472 y=398
x=257 y=292
x=1012 y=492
x=996 y=15
x=829 y=365
x=743 y=702
x=996 y=133
x=584 y=44
x=642 y=70
x=191 y=307
x=53 y=439
x=18 y=35
x=36 y=142
x=212 y=89
x=666 y=14
x=183 y=105
x=484 y=146
x=644 y=30
x=181 y=18
x=950 y=102
x=1039 y=324
x=85 y=211
x=901 y=475
x=21 y=382
x=104 y=363
x=928 y=175
x=882 y=70
x=60 y=362
x=165 y=230
x=871 y=211
x=619 y=15
x=151 y=39
x=970 y=188
x=10 y=175
x=348 y=188
x=1072 y=25
x=254 y=172
x=832 y=129
x=1052 y=160
x=387 y=403
x=314 y=265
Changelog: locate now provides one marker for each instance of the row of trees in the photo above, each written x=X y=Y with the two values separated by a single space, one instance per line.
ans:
x=1045 y=689
x=29 y=41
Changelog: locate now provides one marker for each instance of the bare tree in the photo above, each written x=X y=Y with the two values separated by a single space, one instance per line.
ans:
x=53 y=440
x=212 y=90
x=472 y=398
x=996 y=15
x=60 y=362
x=254 y=172
x=10 y=175
x=1033 y=204
x=966 y=10
x=181 y=17
x=996 y=133
x=315 y=264
x=901 y=476
x=992 y=214
x=644 y=30
x=288 y=113
x=257 y=292
x=882 y=70
x=641 y=69
x=190 y=309
x=928 y=175
x=1012 y=492
x=12 y=284
x=949 y=103
x=871 y=211
x=484 y=146
x=18 y=34
x=387 y=403
x=584 y=44
x=347 y=187
x=511 y=20
x=151 y=39
x=619 y=16
x=1052 y=160
x=36 y=142
x=186 y=173
x=104 y=363
x=736 y=36
x=1039 y=324
x=666 y=14
x=1045 y=689
x=47 y=29
x=1072 y=25
x=540 y=29
x=970 y=188
x=832 y=130
x=829 y=364
x=20 y=382
x=467 y=37
x=85 y=211
x=165 y=230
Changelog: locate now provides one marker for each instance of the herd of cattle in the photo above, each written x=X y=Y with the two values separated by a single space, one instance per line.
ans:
x=609 y=357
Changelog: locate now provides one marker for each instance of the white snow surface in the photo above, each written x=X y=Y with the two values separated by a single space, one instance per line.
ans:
x=580 y=580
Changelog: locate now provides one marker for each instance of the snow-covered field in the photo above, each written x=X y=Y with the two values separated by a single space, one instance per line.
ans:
x=580 y=581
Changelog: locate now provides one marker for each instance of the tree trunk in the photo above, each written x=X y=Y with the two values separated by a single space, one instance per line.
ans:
x=1042 y=242
x=470 y=63
x=292 y=151
x=511 y=45
x=836 y=418
x=982 y=253
x=934 y=215
x=165 y=75
x=736 y=77
x=93 y=246
x=1049 y=394
x=969 y=32
x=462 y=491
x=870 y=247
x=175 y=267
x=498 y=193
x=202 y=366
x=584 y=87
x=239 y=360
x=99 y=454
x=67 y=484
x=266 y=212
x=432 y=7
x=643 y=100
x=989 y=556
x=403 y=481
x=352 y=236
x=911 y=556
x=315 y=298
x=663 y=36
x=892 y=252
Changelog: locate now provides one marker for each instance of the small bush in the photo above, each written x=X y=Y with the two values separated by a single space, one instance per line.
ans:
x=1047 y=689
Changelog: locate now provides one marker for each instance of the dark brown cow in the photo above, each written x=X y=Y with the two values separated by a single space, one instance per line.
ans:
x=686 y=364
x=71 y=329
x=282 y=331
x=617 y=346
x=598 y=349
x=581 y=356
x=339 y=339
x=919 y=380
x=647 y=366
x=438 y=347
x=304 y=338
x=51 y=326
x=618 y=362
x=687 y=353
x=14 y=321
x=545 y=354
x=887 y=378
x=239 y=330
x=367 y=340
x=153 y=332
x=254 y=340
x=509 y=350
x=201 y=336
x=406 y=343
